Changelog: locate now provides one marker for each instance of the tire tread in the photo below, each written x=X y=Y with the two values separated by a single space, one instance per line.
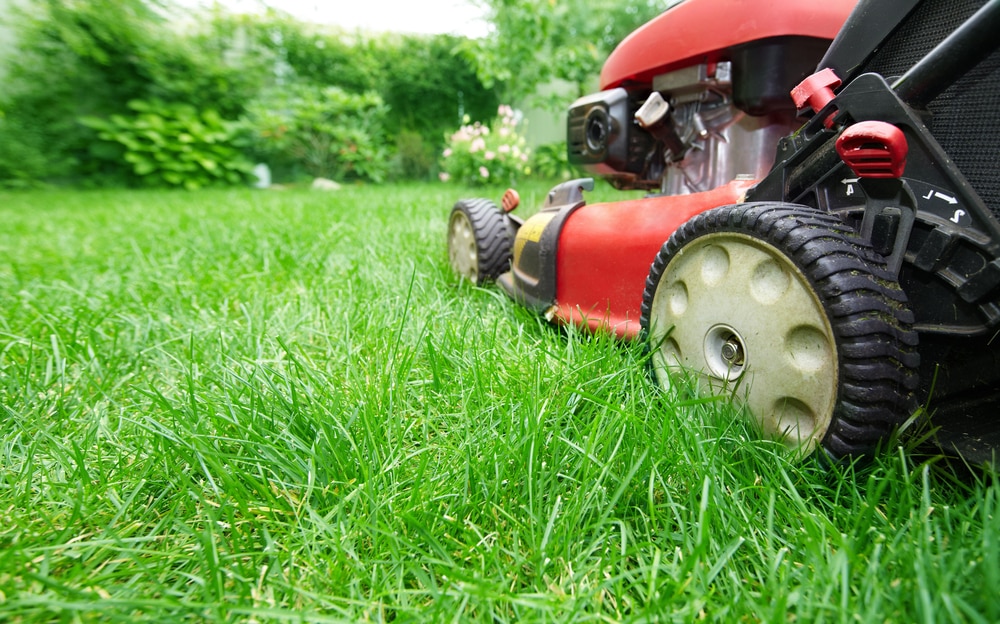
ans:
x=493 y=237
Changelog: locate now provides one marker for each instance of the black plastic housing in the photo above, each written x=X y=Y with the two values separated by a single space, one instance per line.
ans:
x=601 y=135
x=532 y=277
x=939 y=224
x=765 y=71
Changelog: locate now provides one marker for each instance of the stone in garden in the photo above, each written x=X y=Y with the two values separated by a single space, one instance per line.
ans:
x=322 y=184
x=262 y=176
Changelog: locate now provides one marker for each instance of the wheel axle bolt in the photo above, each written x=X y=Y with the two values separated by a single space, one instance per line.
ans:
x=732 y=352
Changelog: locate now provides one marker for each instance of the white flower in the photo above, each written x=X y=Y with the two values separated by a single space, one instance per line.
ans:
x=447 y=152
x=444 y=176
x=489 y=155
x=477 y=144
x=483 y=171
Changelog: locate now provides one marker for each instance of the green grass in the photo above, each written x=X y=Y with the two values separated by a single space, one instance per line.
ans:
x=250 y=406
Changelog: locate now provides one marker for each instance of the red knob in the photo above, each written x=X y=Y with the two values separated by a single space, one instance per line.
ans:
x=873 y=149
x=510 y=201
x=816 y=91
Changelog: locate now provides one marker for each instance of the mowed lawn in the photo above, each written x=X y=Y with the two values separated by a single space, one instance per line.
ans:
x=281 y=406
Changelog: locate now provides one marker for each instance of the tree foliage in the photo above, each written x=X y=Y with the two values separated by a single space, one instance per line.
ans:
x=429 y=87
x=534 y=41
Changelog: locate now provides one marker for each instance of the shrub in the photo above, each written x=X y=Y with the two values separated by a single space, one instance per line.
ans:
x=551 y=162
x=74 y=59
x=323 y=131
x=480 y=155
x=22 y=156
x=414 y=158
x=172 y=145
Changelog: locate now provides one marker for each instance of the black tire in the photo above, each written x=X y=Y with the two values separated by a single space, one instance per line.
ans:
x=783 y=306
x=479 y=240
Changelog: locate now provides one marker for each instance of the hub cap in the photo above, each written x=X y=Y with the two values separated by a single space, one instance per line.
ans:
x=745 y=318
x=462 y=251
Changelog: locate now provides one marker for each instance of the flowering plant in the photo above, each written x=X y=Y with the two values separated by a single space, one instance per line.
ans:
x=478 y=154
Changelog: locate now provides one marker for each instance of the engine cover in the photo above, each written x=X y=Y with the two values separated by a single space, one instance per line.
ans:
x=698 y=31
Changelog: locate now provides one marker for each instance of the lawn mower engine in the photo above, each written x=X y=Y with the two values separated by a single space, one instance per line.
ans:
x=834 y=274
x=698 y=127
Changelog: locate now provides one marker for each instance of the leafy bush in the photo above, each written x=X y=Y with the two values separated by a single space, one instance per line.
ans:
x=172 y=145
x=480 y=155
x=324 y=131
x=22 y=157
x=414 y=158
x=424 y=82
x=551 y=162
x=89 y=59
x=73 y=60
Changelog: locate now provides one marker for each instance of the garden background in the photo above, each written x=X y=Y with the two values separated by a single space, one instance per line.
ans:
x=224 y=404
x=147 y=93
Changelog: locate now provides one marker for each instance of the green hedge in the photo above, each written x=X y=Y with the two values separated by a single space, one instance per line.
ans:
x=66 y=118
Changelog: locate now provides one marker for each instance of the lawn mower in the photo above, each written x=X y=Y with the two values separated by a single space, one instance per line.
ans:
x=821 y=237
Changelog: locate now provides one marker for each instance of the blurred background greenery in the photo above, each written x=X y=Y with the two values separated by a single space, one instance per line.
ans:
x=151 y=93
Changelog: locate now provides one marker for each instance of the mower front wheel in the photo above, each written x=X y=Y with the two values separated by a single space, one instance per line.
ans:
x=479 y=240
x=782 y=305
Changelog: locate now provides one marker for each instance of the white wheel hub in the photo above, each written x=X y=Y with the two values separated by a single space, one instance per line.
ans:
x=737 y=313
x=463 y=254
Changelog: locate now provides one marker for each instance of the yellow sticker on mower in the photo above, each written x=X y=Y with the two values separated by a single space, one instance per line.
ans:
x=531 y=231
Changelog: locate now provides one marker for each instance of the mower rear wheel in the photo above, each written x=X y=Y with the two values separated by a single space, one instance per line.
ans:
x=479 y=240
x=781 y=305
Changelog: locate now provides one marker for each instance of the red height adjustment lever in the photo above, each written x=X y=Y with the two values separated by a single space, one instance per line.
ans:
x=816 y=91
x=510 y=201
x=873 y=149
